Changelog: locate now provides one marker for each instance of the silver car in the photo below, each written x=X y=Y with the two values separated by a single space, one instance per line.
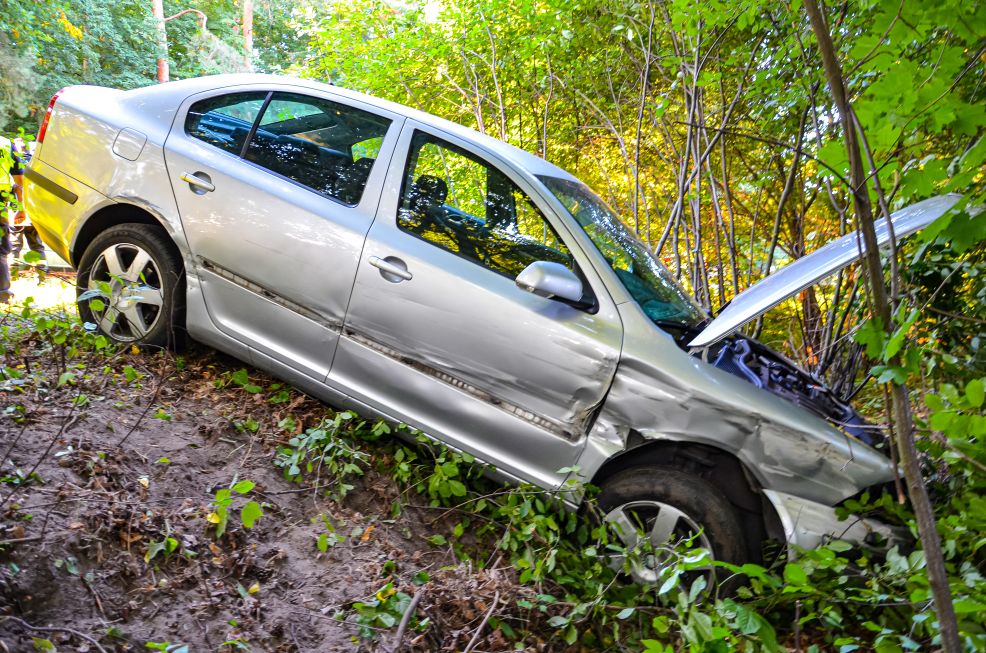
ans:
x=381 y=258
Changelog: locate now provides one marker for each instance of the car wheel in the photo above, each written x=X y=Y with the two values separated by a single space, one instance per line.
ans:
x=668 y=506
x=138 y=265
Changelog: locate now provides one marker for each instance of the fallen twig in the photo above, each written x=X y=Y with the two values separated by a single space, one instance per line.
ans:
x=489 y=613
x=59 y=629
x=140 y=418
x=17 y=540
x=67 y=421
x=405 y=620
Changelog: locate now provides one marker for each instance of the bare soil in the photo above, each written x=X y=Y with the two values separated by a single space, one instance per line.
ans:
x=141 y=462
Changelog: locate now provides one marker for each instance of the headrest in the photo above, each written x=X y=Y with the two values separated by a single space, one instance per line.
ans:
x=434 y=188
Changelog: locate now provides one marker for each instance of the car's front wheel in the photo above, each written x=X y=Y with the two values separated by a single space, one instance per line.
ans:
x=668 y=507
x=131 y=285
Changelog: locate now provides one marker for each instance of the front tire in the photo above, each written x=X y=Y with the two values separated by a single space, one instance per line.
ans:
x=668 y=506
x=141 y=270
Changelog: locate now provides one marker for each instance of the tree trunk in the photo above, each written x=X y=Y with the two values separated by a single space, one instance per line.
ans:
x=880 y=307
x=162 y=40
x=248 y=35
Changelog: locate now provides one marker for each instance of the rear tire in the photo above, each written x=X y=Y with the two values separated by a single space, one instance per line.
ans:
x=146 y=280
x=670 y=505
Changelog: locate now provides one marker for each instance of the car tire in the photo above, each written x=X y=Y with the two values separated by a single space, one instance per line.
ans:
x=685 y=504
x=146 y=281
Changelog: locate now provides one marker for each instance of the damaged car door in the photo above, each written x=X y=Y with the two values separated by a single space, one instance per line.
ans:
x=440 y=333
x=276 y=190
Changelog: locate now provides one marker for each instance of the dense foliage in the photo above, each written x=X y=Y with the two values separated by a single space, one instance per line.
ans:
x=47 y=45
x=708 y=126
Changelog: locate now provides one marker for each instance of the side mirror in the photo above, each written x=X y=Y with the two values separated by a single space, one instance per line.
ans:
x=551 y=280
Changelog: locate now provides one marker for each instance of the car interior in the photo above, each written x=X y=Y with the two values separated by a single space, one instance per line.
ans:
x=315 y=150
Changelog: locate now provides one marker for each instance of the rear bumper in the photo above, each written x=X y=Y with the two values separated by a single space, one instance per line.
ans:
x=808 y=524
x=57 y=205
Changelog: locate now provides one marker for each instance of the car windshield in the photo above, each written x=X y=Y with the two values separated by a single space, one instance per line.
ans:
x=640 y=272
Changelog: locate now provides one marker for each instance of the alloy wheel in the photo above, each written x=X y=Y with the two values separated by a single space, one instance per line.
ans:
x=663 y=526
x=136 y=295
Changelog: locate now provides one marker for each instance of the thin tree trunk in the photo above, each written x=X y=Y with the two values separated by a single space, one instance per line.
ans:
x=162 y=41
x=880 y=306
x=248 y=35
x=645 y=78
x=731 y=240
x=496 y=78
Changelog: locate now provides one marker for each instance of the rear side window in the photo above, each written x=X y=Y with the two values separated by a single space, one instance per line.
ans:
x=225 y=121
x=323 y=145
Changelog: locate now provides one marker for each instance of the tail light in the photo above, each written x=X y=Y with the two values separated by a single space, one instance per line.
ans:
x=44 y=122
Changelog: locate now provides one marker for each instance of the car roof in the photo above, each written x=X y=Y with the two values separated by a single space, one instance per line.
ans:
x=183 y=88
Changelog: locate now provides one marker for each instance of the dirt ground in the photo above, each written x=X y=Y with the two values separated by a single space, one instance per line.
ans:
x=89 y=491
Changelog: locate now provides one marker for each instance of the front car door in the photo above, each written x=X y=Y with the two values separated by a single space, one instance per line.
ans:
x=277 y=188
x=439 y=333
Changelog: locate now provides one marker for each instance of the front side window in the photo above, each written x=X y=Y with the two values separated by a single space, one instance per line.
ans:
x=460 y=203
x=225 y=121
x=640 y=272
x=318 y=143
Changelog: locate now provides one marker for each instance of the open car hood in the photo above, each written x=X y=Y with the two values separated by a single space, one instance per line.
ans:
x=812 y=268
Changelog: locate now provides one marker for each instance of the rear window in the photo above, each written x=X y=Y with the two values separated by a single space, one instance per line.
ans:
x=323 y=145
x=225 y=121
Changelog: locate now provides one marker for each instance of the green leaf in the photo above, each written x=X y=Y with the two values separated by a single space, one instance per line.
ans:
x=625 y=613
x=697 y=586
x=153 y=549
x=438 y=539
x=873 y=337
x=250 y=513
x=967 y=605
x=43 y=645
x=934 y=403
x=975 y=392
x=746 y=620
x=558 y=621
x=243 y=487
x=669 y=584
x=794 y=574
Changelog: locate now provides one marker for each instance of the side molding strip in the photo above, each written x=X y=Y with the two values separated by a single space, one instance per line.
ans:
x=256 y=288
x=60 y=192
x=540 y=421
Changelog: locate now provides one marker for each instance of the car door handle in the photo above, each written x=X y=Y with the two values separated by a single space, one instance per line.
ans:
x=391 y=268
x=194 y=179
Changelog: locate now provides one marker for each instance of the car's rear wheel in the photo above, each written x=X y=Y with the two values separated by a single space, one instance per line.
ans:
x=138 y=279
x=668 y=507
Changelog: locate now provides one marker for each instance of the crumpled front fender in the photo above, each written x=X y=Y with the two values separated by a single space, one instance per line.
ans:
x=663 y=394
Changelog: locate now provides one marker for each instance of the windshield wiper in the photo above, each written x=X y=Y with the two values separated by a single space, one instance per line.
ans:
x=681 y=326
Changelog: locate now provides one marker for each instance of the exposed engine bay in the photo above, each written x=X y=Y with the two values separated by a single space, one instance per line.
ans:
x=767 y=369
x=771 y=371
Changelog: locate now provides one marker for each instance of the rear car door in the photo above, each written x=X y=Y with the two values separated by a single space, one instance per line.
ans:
x=277 y=188
x=439 y=333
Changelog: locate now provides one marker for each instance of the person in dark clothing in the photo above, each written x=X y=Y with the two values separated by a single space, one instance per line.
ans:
x=11 y=180
x=21 y=229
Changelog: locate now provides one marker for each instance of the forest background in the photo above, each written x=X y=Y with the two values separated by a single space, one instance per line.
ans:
x=711 y=127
